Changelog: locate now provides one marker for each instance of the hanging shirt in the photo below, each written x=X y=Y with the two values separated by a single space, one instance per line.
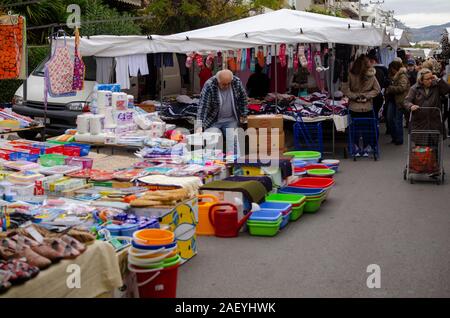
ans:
x=122 y=74
x=138 y=63
x=105 y=66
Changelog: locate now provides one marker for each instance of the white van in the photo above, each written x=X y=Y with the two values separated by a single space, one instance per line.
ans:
x=63 y=111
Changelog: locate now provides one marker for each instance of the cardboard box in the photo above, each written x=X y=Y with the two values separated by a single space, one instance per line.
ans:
x=265 y=121
x=267 y=143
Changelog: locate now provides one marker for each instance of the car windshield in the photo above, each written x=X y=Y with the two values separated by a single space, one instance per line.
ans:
x=90 y=67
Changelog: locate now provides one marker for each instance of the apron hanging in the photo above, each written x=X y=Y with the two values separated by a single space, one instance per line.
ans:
x=78 y=65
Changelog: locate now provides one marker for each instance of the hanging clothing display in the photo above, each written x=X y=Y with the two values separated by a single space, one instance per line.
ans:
x=13 y=47
x=281 y=76
x=59 y=71
x=138 y=64
x=342 y=62
x=122 y=73
x=387 y=55
x=166 y=59
x=105 y=66
x=78 y=65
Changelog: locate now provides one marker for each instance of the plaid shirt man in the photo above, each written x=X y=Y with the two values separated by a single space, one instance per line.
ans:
x=209 y=106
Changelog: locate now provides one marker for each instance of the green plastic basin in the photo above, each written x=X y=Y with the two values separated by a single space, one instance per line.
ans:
x=313 y=205
x=297 y=212
x=294 y=199
x=321 y=172
x=304 y=154
x=264 y=229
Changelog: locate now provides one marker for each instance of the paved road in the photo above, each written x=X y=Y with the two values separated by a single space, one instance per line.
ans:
x=371 y=217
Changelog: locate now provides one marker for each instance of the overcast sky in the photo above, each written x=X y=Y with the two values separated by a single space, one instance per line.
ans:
x=419 y=13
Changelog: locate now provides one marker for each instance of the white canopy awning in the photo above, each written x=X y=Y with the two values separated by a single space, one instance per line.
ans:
x=277 y=27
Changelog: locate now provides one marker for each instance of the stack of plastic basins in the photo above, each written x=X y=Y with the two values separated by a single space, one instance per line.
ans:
x=155 y=260
x=284 y=208
x=296 y=201
x=314 y=197
x=314 y=183
x=265 y=223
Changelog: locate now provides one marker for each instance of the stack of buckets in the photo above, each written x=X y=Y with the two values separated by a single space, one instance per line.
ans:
x=265 y=223
x=154 y=258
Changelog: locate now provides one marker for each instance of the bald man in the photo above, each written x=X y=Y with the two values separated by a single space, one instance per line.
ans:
x=223 y=102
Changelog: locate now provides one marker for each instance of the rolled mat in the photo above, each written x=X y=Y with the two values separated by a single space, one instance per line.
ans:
x=265 y=180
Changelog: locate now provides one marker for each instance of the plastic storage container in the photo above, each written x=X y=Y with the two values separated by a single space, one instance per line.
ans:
x=327 y=173
x=313 y=183
x=84 y=163
x=265 y=216
x=51 y=160
x=71 y=151
x=264 y=228
x=284 y=208
x=84 y=149
x=296 y=200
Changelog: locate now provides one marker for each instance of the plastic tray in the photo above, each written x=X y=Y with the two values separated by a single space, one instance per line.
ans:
x=304 y=154
x=314 y=183
x=313 y=205
x=265 y=216
x=321 y=172
x=84 y=149
x=21 y=165
x=293 y=199
x=84 y=163
x=59 y=170
x=51 y=160
x=308 y=192
x=284 y=208
x=264 y=229
x=297 y=212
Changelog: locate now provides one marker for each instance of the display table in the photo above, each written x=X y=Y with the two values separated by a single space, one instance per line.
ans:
x=100 y=275
x=40 y=129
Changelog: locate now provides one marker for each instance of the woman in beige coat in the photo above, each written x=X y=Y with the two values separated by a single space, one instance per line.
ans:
x=361 y=88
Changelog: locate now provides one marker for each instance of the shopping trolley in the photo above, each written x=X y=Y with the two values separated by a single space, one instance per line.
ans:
x=425 y=146
x=363 y=128
x=307 y=136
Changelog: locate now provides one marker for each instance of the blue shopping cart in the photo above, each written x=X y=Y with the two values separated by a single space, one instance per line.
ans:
x=308 y=136
x=363 y=133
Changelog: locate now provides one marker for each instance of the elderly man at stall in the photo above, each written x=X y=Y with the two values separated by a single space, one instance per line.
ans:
x=223 y=102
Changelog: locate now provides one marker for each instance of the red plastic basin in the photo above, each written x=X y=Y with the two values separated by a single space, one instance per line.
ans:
x=313 y=183
x=317 y=166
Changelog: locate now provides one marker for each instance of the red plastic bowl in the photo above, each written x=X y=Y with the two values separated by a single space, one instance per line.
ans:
x=313 y=183
x=317 y=166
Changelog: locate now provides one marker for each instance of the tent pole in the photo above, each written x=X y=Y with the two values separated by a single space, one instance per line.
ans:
x=276 y=79
x=162 y=77
x=332 y=104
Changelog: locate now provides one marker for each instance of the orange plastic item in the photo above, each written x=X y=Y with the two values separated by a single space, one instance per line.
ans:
x=204 y=226
x=153 y=237
x=11 y=46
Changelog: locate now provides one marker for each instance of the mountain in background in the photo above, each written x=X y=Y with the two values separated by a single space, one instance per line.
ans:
x=429 y=33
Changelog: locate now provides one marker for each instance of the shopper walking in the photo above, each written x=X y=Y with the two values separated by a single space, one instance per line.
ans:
x=396 y=93
x=361 y=88
x=412 y=72
x=427 y=92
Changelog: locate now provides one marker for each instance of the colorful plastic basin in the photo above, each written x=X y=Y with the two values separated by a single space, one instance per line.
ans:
x=152 y=247
x=308 y=192
x=265 y=216
x=304 y=154
x=313 y=183
x=285 y=221
x=264 y=229
x=294 y=199
x=297 y=212
x=313 y=205
x=284 y=208
x=153 y=237
x=331 y=162
x=316 y=166
x=321 y=173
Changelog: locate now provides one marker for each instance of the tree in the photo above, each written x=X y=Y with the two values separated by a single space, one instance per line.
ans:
x=445 y=46
x=325 y=11
x=173 y=16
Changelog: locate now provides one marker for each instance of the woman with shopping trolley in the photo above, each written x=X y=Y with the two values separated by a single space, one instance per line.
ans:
x=426 y=129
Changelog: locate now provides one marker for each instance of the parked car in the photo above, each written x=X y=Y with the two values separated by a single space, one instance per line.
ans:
x=62 y=112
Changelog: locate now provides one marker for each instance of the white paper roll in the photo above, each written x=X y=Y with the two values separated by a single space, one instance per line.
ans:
x=104 y=99
x=83 y=123
x=110 y=118
x=119 y=101
x=97 y=123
